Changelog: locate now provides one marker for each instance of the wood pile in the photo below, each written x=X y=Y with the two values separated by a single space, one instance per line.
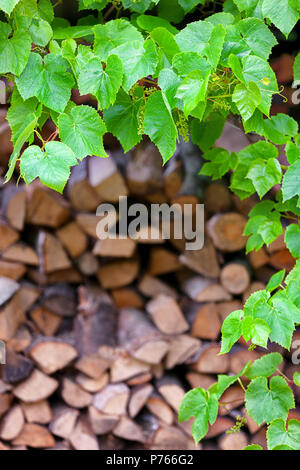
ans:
x=104 y=337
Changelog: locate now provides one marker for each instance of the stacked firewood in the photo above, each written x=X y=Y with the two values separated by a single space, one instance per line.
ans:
x=104 y=337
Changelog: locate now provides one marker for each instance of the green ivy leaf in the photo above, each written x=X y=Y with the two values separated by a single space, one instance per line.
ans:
x=231 y=330
x=292 y=239
x=188 y=5
x=192 y=90
x=284 y=14
x=14 y=50
x=219 y=163
x=169 y=81
x=122 y=120
x=113 y=34
x=48 y=80
x=256 y=69
x=291 y=182
x=296 y=379
x=276 y=280
x=215 y=45
x=265 y=366
x=140 y=7
x=8 y=5
x=296 y=68
x=41 y=32
x=266 y=403
x=186 y=62
x=264 y=175
x=194 y=37
x=247 y=99
x=82 y=130
x=159 y=125
x=51 y=166
x=205 y=133
x=102 y=82
x=149 y=23
x=165 y=40
x=280 y=128
x=279 y=434
x=253 y=447
x=139 y=60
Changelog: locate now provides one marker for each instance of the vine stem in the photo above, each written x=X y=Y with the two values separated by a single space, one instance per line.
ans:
x=241 y=384
x=284 y=376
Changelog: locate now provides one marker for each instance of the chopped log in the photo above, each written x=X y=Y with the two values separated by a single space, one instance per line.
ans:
x=13 y=314
x=88 y=223
x=4 y=447
x=63 y=422
x=12 y=423
x=17 y=367
x=235 y=278
x=140 y=337
x=126 y=298
x=258 y=258
x=102 y=423
x=217 y=198
x=200 y=380
x=74 y=396
x=88 y=264
x=106 y=180
x=149 y=234
x=8 y=236
x=233 y=398
x=47 y=322
x=157 y=406
x=144 y=170
x=226 y=231
x=202 y=261
x=172 y=391
x=277 y=245
x=82 y=195
x=82 y=437
x=140 y=379
x=206 y=324
x=115 y=247
x=222 y=424
x=173 y=178
x=167 y=315
x=225 y=308
x=92 y=385
x=14 y=205
x=73 y=239
x=14 y=271
x=124 y=368
x=52 y=355
x=129 y=430
x=92 y=365
x=181 y=348
x=260 y=438
x=5 y=402
x=236 y=441
x=152 y=286
x=52 y=254
x=112 y=399
x=169 y=438
x=39 y=412
x=282 y=259
x=210 y=363
x=118 y=273
x=139 y=397
x=47 y=208
x=254 y=287
x=35 y=436
x=204 y=290
x=8 y=288
x=163 y=261
x=60 y=299
x=36 y=387
x=251 y=424
x=20 y=341
x=22 y=253
x=240 y=358
x=96 y=324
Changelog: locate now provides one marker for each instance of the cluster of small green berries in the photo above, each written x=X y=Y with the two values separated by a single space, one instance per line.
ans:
x=182 y=126
x=240 y=422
